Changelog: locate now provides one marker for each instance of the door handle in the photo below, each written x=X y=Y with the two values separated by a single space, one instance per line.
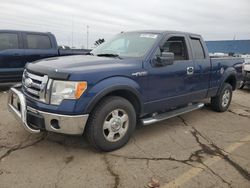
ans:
x=190 y=70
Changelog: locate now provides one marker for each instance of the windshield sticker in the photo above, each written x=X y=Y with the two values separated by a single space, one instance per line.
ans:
x=153 y=36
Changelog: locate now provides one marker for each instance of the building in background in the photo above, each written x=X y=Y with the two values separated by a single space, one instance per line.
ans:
x=229 y=46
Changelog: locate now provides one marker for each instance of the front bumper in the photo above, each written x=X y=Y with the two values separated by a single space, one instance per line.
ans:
x=34 y=120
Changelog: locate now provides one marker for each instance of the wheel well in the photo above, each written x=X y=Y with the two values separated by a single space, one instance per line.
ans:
x=232 y=81
x=131 y=97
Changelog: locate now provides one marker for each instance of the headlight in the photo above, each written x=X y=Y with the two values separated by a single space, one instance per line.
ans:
x=66 y=90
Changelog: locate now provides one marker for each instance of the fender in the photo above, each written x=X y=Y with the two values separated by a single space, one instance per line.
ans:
x=230 y=71
x=114 y=84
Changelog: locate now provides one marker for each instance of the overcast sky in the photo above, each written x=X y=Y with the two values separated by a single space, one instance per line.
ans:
x=214 y=19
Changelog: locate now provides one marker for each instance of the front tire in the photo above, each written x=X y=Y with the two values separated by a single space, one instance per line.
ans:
x=221 y=102
x=111 y=124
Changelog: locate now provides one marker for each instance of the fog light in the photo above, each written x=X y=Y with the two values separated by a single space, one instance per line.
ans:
x=54 y=124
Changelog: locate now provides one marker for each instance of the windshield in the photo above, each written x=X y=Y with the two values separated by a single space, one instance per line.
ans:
x=127 y=45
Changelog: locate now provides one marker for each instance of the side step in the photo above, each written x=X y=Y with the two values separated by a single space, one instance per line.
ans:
x=170 y=114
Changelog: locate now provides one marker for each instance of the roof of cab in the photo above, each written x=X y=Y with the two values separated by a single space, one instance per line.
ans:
x=164 y=32
x=16 y=31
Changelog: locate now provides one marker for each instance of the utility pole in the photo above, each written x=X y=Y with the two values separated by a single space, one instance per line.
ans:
x=234 y=36
x=87 y=37
x=69 y=41
x=72 y=32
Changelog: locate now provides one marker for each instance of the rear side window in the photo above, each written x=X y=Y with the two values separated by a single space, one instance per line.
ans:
x=197 y=49
x=8 y=41
x=38 y=41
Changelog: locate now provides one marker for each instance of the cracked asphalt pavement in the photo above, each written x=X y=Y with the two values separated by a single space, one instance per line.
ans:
x=198 y=149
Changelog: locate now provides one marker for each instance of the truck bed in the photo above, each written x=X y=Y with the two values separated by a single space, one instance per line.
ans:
x=219 y=65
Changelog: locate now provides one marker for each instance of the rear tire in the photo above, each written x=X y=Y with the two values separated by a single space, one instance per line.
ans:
x=221 y=102
x=111 y=124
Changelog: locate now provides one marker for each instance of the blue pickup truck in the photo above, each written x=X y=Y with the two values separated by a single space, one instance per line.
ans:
x=19 y=47
x=136 y=78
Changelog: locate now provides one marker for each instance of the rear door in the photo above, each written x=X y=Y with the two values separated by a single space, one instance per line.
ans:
x=12 y=56
x=38 y=46
x=202 y=67
x=171 y=85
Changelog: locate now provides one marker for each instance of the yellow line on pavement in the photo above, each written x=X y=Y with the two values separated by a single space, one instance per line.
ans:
x=196 y=171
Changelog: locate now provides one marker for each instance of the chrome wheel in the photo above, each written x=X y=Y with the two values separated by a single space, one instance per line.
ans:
x=115 y=125
x=226 y=98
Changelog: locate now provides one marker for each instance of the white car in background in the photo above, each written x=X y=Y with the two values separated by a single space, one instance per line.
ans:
x=246 y=73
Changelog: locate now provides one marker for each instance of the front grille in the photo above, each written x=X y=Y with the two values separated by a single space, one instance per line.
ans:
x=35 y=85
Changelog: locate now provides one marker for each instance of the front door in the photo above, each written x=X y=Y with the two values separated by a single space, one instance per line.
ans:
x=169 y=86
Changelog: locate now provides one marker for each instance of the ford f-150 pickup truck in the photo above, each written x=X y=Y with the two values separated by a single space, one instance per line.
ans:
x=19 y=47
x=139 y=77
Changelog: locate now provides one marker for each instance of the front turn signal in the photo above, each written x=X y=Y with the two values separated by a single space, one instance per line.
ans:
x=80 y=88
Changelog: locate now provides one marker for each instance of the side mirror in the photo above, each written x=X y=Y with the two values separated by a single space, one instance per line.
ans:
x=166 y=58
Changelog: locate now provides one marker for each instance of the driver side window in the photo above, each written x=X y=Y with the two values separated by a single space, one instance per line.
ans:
x=176 y=45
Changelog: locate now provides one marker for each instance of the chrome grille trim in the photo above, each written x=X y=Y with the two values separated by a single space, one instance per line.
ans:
x=43 y=85
x=35 y=86
x=33 y=76
x=48 y=90
x=34 y=92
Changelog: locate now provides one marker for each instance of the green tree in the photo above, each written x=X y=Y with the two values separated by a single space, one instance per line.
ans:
x=99 y=41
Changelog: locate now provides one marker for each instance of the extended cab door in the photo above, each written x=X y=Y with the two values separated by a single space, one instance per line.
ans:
x=39 y=46
x=171 y=85
x=12 y=57
x=202 y=67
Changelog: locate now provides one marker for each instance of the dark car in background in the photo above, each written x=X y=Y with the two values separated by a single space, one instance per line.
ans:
x=19 y=47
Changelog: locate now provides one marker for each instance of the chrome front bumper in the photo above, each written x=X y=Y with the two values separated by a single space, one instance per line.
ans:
x=66 y=124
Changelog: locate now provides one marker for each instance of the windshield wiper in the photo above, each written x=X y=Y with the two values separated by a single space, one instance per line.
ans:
x=109 y=55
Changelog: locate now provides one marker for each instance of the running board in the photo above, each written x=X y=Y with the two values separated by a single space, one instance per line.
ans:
x=170 y=114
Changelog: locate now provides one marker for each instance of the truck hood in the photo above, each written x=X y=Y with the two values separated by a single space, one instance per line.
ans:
x=63 y=67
